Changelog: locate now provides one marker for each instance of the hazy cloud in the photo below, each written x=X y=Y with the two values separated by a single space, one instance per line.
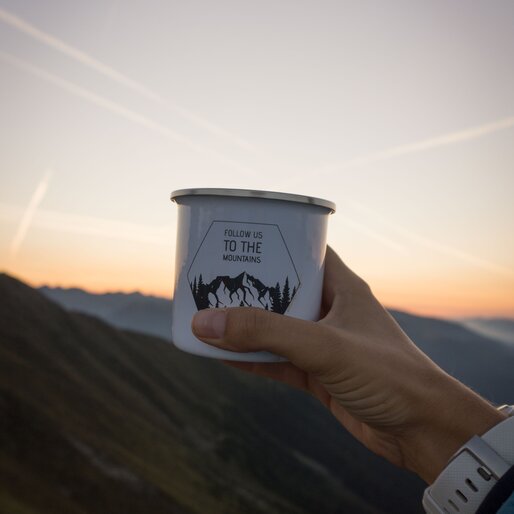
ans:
x=434 y=245
x=420 y=146
x=87 y=60
x=48 y=219
x=28 y=214
x=120 y=110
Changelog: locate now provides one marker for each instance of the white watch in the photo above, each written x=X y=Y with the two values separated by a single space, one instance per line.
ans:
x=473 y=471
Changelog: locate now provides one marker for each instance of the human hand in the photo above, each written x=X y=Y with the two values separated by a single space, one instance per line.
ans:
x=360 y=364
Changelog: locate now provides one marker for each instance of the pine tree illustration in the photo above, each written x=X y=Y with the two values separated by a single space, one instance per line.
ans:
x=293 y=293
x=276 y=304
x=286 y=298
x=193 y=287
x=201 y=299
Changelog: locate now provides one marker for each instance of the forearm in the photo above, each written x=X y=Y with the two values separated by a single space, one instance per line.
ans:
x=455 y=415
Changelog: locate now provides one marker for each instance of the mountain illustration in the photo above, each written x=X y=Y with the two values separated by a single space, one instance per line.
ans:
x=242 y=290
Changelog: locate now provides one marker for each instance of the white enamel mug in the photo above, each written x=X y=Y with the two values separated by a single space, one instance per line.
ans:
x=239 y=248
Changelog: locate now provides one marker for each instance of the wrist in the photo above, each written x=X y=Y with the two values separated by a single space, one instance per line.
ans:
x=453 y=415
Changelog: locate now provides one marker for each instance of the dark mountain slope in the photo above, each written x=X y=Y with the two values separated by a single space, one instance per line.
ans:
x=483 y=364
x=96 y=420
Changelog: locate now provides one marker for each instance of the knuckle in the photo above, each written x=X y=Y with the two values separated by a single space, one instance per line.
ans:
x=362 y=286
x=357 y=287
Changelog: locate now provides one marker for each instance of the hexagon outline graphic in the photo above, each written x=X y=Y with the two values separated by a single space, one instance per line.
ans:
x=248 y=289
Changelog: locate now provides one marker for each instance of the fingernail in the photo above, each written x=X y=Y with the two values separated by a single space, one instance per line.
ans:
x=210 y=323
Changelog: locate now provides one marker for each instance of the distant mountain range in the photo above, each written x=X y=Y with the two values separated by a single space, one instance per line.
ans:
x=461 y=351
x=484 y=364
x=497 y=328
x=133 y=311
x=100 y=420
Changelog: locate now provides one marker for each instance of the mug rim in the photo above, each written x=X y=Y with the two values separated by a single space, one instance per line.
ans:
x=254 y=193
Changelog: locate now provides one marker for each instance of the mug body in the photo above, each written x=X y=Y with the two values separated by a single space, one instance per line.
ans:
x=241 y=248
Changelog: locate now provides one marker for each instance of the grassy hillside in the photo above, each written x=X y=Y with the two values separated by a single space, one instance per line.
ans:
x=95 y=420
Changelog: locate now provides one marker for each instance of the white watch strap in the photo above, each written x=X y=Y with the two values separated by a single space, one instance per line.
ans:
x=501 y=439
x=472 y=472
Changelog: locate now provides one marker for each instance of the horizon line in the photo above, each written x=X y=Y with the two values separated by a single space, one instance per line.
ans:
x=36 y=285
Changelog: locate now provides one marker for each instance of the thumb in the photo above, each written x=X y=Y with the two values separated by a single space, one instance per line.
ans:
x=310 y=346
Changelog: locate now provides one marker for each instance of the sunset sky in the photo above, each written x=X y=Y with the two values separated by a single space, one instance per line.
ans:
x=400 y=112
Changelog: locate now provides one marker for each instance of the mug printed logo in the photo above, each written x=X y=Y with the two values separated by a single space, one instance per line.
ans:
x=243 y=264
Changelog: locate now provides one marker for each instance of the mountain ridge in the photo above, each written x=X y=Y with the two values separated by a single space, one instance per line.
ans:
x=133 y=311
x=459 y=350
